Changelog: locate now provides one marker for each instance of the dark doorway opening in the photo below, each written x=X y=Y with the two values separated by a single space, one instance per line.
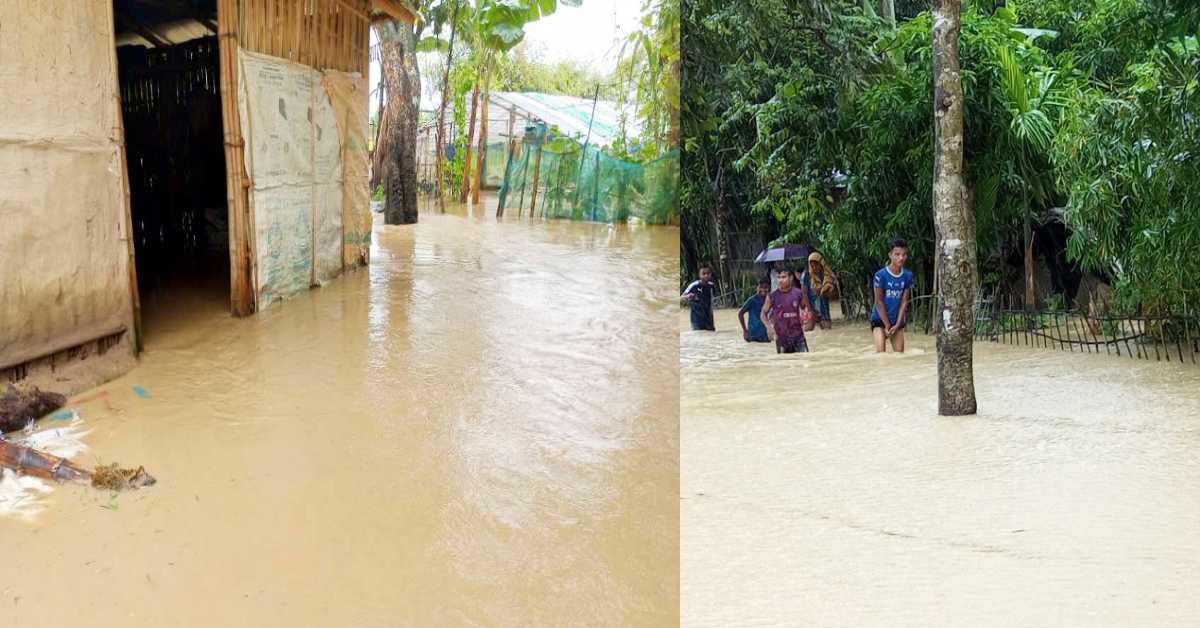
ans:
x=169 y=69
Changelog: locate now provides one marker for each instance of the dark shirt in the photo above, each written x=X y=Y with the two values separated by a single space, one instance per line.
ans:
x=702 y=314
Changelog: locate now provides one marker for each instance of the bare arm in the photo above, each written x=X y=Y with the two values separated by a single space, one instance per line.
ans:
x=763 y=315
x=881 y=308
x=742 y=320
x=903 y=306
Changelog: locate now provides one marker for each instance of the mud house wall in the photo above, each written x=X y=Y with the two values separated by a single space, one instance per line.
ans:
x=64 y=249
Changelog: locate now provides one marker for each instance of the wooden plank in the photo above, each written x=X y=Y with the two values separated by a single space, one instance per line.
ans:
x=129 y=23
x=392 y=9
x=127 y=208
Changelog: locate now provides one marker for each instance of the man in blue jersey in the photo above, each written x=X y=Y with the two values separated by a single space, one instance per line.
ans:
x=757 y=332
x=893 y=288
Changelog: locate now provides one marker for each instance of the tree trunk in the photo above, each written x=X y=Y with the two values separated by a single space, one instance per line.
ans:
x=720 y=220
x=441 y=120
x=397 y=44
x=466 y=182
x=483 y=127
x=887 y=10
x=1030 y=292
x=953 y=221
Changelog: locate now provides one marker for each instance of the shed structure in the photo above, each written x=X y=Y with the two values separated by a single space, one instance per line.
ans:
x=139 y=138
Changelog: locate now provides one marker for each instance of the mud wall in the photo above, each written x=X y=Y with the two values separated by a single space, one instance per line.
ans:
x=64 y=251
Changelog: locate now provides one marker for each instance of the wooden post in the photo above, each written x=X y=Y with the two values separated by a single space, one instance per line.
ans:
x=504 y=185
x=537 y=171
x=241 y=293
x=483 y=128
x=466 y=182
x=119 y=131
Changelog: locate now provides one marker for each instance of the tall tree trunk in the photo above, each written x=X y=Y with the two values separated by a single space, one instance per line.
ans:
x=397 y=45
x=887 y=10
x=441 y=120
x=1030 y=292
x=953 y=221
x=378 y=156
x=483 y=126
x=466 y=182
x=721 y=221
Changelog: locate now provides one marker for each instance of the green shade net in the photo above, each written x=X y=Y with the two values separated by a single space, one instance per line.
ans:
x=583 y=183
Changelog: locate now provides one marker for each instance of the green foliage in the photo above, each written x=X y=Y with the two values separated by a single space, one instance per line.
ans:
x=816 y=121
x=523 y=70
x=649 y=71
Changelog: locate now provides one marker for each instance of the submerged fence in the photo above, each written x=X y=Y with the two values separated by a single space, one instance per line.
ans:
x=558 y=178
x=1166 y=337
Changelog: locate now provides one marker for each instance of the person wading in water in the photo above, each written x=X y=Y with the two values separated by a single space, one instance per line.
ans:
x=699 y=294
x=893 y=287
x=818 y=281
x=782 y=312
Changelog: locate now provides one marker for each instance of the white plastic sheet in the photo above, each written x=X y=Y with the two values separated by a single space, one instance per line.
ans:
x=293 y=157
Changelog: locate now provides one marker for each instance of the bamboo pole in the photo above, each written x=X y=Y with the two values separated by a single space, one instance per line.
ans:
x=537 y=171
x=241 y=295
x=505 y=184
x=466 y=182
x=483 y=127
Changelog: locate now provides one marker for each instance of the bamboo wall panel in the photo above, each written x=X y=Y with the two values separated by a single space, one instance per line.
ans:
x=322 y=34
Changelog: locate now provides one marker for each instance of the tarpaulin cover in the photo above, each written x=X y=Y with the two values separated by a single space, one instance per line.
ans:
x=293 y=157
x=348 y=94
x=64 y=256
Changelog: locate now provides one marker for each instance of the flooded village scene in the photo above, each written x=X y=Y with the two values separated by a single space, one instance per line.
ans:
x=834 y=313
x=339 y=312
x=939 y=344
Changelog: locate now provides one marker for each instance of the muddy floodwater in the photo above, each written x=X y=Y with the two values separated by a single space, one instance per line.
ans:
x=824 y=490
x=480 y=428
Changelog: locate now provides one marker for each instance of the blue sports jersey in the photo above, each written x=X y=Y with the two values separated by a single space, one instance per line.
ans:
x=753 y=308
x=893 y=292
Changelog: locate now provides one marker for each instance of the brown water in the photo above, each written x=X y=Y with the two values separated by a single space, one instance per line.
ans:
x=824 y=490
x=480 y=428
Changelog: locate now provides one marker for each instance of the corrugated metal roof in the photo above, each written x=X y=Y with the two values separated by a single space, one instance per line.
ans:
x=571 y=114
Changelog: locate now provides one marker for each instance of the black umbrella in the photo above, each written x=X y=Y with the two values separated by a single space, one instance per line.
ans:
x=784 y=253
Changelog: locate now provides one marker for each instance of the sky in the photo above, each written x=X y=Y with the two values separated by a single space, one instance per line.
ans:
x=587 y=34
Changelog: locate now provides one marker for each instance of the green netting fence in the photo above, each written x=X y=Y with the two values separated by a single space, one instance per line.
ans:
x=582 y=182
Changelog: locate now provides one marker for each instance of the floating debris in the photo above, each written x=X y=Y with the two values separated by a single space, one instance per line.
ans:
x=29 y=461
x=22 y=405
x=115 y=478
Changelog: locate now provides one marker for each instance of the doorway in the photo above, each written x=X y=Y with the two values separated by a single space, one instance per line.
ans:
x=169 y=72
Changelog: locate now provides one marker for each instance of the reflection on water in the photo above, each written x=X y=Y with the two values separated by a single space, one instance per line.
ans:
x=480 y=428
x=824 y=490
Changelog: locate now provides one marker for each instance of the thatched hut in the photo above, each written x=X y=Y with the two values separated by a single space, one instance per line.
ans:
x=149 y=137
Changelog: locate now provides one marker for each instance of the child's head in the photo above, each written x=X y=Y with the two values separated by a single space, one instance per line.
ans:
x=785 y=278
x=764 y=287
x=705 y=273
x=898 y=252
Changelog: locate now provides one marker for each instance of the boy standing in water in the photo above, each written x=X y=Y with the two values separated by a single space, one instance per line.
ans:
x=754 y=307
x=699 y=294
x=783 y=307
x=893 y=287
